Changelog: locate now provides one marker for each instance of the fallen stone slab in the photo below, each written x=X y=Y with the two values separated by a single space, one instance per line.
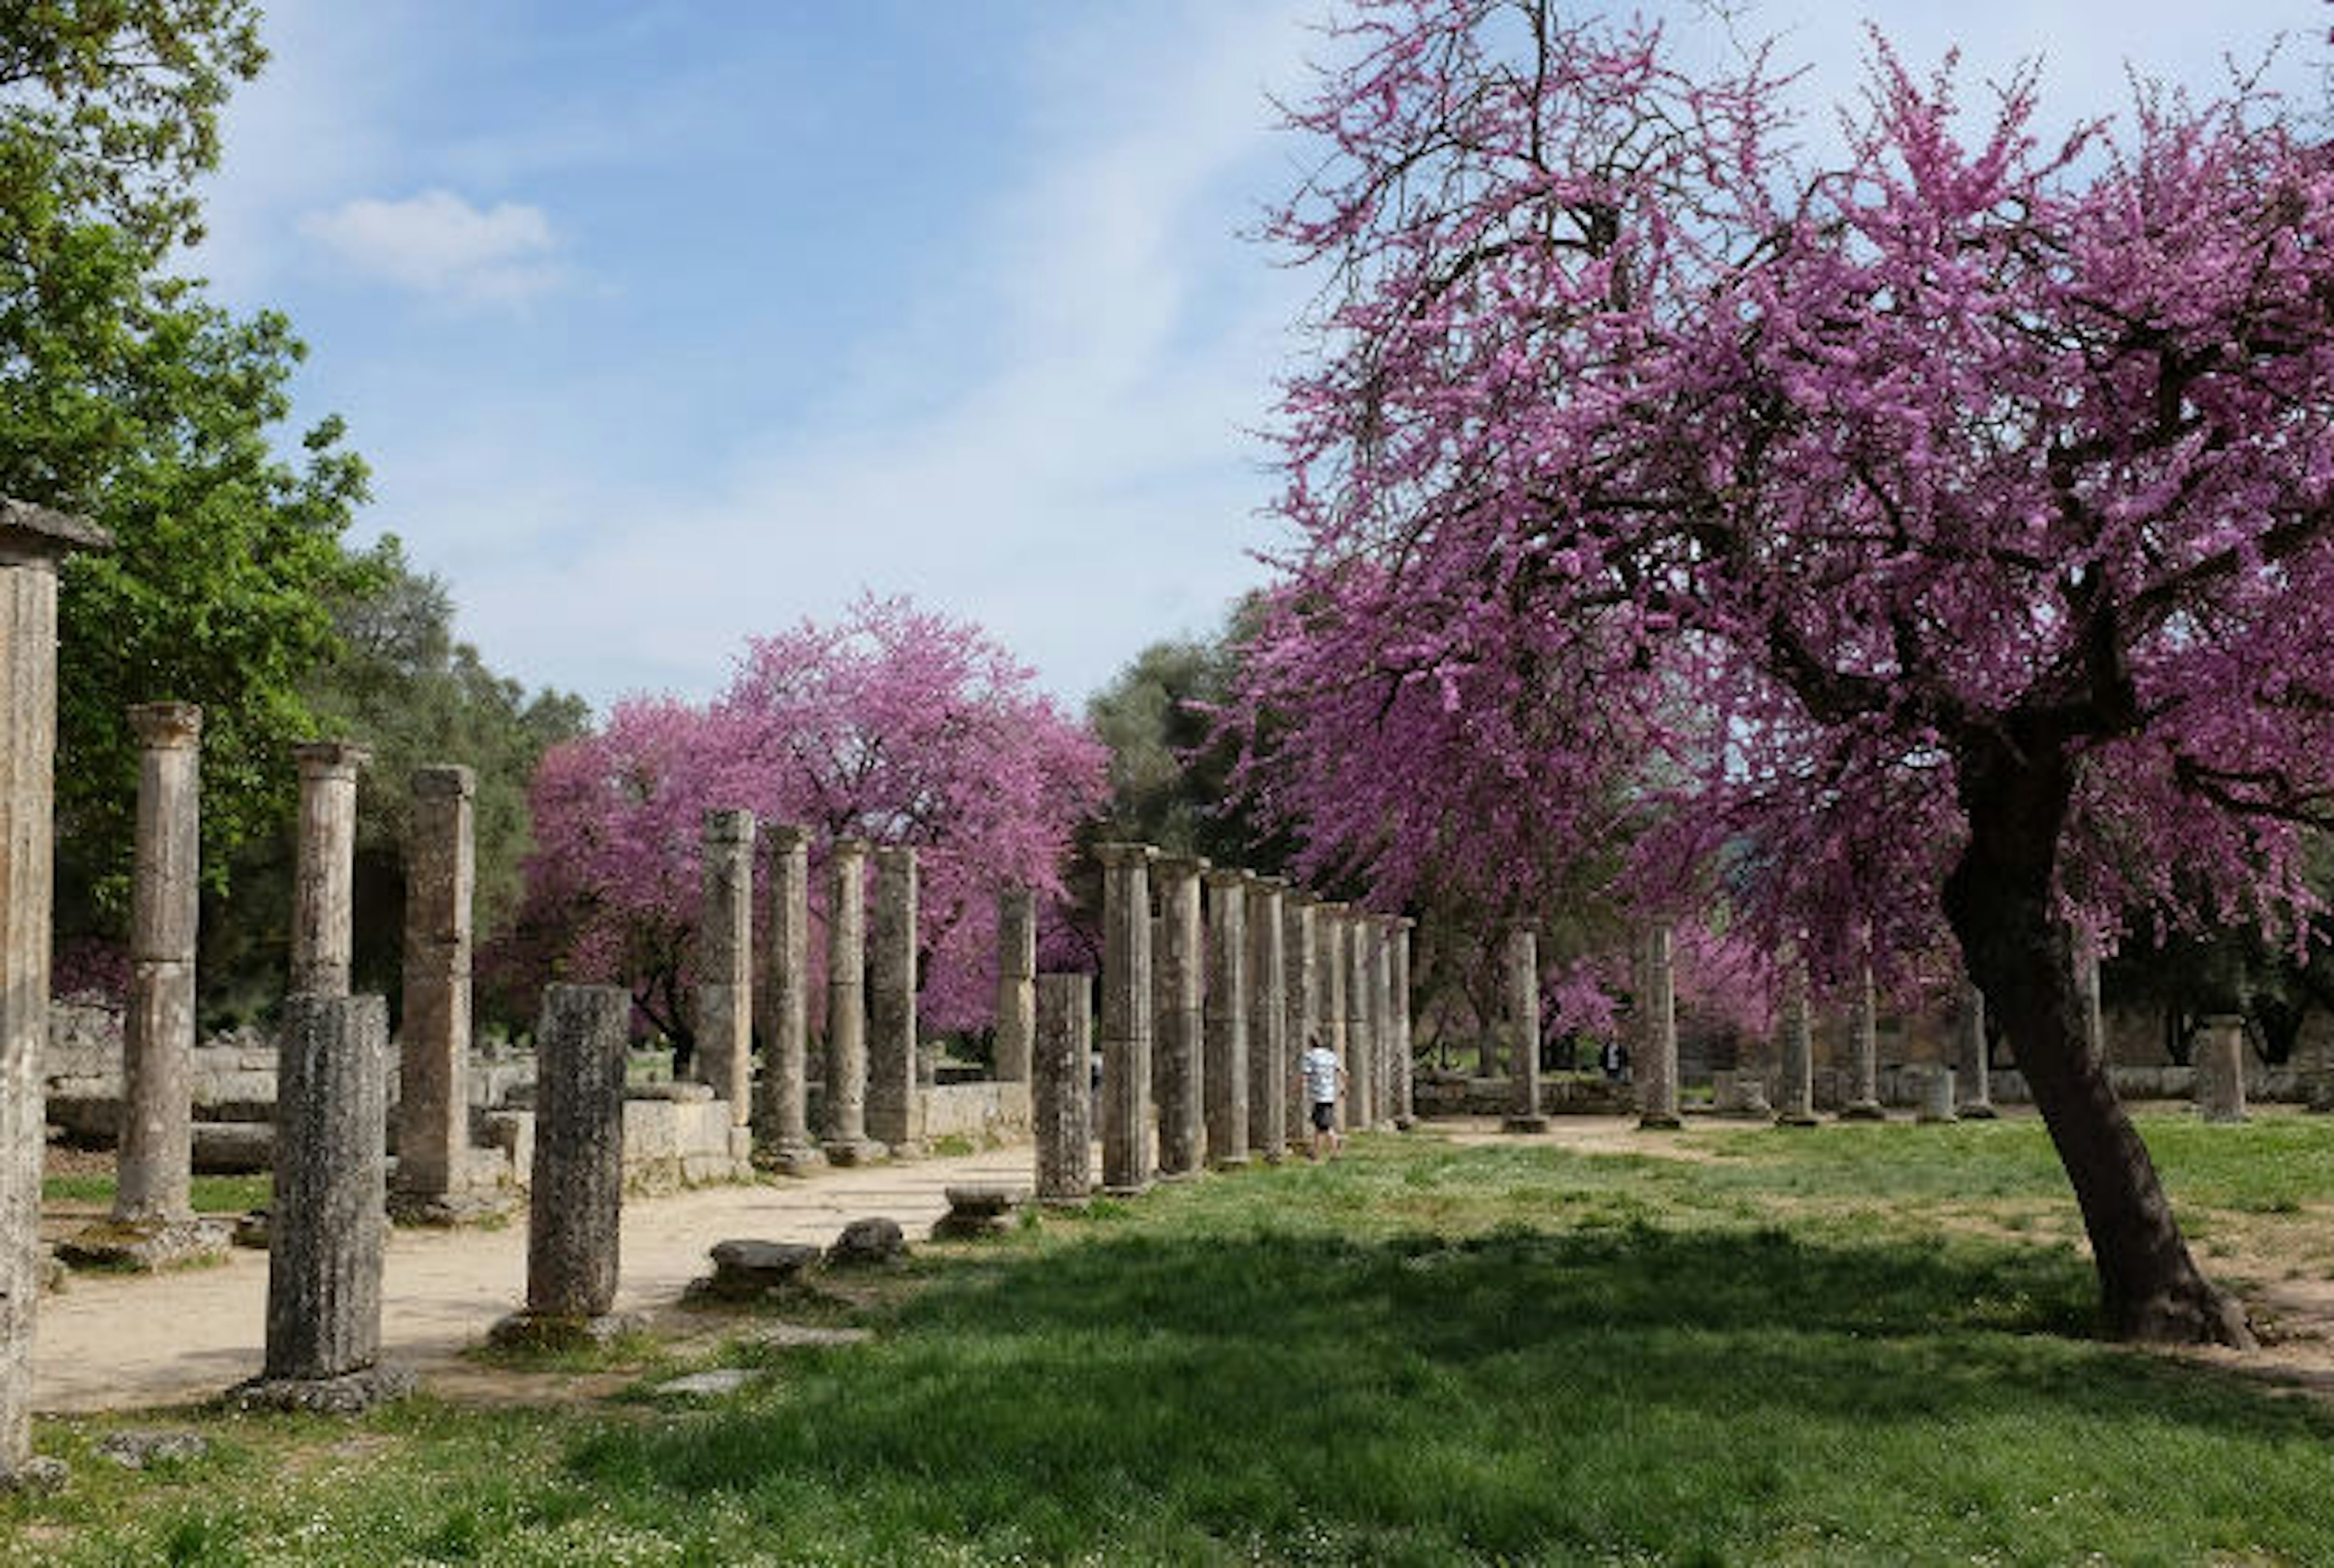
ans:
x=809 y=1336
x=748 y=1270
x=144 y=1246
x=136 y=1447
x=707 y=1385
x=868 y=1244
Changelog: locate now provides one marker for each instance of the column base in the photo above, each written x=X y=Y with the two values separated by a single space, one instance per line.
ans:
x=533 y=1330
x=346 y=1394
x=1660 y=1122
x=1979 y=1110
x=38 y=1474
x=1229 y=1162
x=1930 y=1118
x=1119 y=1191
x=792 y=1159
x=1524 y=1124
x=451 y=1210
x=1064 y=1202
x=845 y=1152
x=1863 y=1110
x=1797 y=1119
x=146 y=1246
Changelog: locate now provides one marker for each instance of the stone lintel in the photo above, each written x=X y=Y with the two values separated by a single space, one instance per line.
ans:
x=166 y=725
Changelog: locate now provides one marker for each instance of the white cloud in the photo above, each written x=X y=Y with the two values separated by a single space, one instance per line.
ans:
x=440 y=244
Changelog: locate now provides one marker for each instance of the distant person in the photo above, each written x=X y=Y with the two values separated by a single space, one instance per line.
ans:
x=1614 y=1059
x=1324 y=1080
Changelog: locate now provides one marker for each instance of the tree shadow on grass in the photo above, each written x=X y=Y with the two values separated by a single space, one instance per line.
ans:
x=1523 y=1394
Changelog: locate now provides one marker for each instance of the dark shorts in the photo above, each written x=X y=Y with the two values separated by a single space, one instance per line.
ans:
x=1325 y=1115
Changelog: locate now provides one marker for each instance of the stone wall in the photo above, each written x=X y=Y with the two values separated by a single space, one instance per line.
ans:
x=985 y=1111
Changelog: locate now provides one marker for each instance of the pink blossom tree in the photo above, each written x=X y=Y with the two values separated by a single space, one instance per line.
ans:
x=1939 y=535
x=894 y=724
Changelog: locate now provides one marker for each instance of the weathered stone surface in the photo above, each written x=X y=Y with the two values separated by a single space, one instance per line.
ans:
x=1017 y=983
x=1127 y=1128
x=1329 y=930
x=979 y=1210
x=724 y=962
x=1383 y=1038
x=894 y=1108
x=135 y=1447
x=2220 y=1059
x=1300 y=1005
x=324 y=870
x=1225 y=1075
x=575 y=1206
x=1405 y=1058
x=146 y=1246
x=1361 y=1046
x=1179 y=984
x=1740 y=1094
x=748 y=1270
x=1522 y=959
x=433 y=1112
x=710 y=1384
x=1061 y=1091
x=156 y=1149
x=1932 y=1087
x=1864 y=1055
x=1977 y=1065
x=234 y=1148
x=328 y=1220
x=867 y=1244
x=1797 y=1088
x=808 y=1336
x=782 y=1127
x=846 y=1083
x=1267 y=1020
x=533 y=1331
x=348 y=1394
x=1656 y=1067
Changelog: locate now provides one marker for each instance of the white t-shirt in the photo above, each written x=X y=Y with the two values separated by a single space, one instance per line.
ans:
x=1320 y=1064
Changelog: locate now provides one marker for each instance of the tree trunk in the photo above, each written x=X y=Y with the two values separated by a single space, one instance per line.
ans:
x=1998 y=899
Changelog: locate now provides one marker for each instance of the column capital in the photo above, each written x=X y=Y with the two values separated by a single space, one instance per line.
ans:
x=1116 y=853
x=785 y=836
x=34 y=535
x=848 y=844
x=1270 y=884
x=895 y=854
x=331 y=758
x=729 y=826
x=166 y=725
x=444 y=781
x=1228 y=876
x=1182 y=865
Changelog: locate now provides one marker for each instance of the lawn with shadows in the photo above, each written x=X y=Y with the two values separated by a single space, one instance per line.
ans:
x=1420 y=1353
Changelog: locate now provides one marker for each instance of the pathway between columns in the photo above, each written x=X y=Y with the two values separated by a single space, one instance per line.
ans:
x=123 y=1341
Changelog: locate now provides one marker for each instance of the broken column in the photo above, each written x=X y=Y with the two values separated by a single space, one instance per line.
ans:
x=724 y=965
x=158 y=1031
x=577 y=1205
x=1977 y=1066
x=1864 y=1045
x=1329 y=993
x=784 y=1113
x=1225 y=1094
x=2220 y=1058
x=1127 y=1158
x=847 y=1142
x=1017 y=982
x=895 y=1105
x=328 y=1219
x=323 y=877
x=1059 y=1091
x=1179 y=985
x=1406 y=1110
x=1268 y=1021
x=33 y=540
x=433 y=1086
x=1796 y=1091
x=1657 y=1058
x=1300 y=1004
x=1522 y=963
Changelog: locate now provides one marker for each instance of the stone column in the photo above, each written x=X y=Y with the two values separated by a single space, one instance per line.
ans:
x=1657 y=1058
x=576 y=1208
x=324 y=880
x=1017 y=982
x=1329 y=993
x=1268 y=1021
x=2085 y=958
x=1060 y=1100
x=1381 y=1019
x=1795 y=1092
x=2220 y=1058
x=1976 y=1058
x=1522 y=957
x=433 y=1085
x=33 y=540
x=1864 y=1099
x=158 y=1033
x=1406 y=1110
x=784 y=1111
x=725 y=964
x=329 y=1219
x=1127 y=1151
x=1360 y=1032
x=895 y=1104
x=1300 y=1003
x=847 y=1142
x=1180 y=983
x=1224 y=1093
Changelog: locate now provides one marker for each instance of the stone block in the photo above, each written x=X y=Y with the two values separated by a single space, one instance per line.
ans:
x=868 y=1243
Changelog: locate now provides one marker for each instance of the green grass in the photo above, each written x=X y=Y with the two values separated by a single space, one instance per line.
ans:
x=1418 y=1354
x=211 y=1194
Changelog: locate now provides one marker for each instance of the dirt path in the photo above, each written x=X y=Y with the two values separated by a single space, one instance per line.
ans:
x=123 y=1341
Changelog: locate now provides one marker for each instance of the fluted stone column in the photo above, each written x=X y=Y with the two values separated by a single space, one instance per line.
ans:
x=725 y=964
x=576 y=1205
x=1795 y=1091
x=1060 y=1094
x=433 y=1127
x=2220 y=1058
x=323 y=877
x=1300 y=1002
x=1977 y=1066
x=1329 y=993
x=1017 y=982
x=1864 y=1097
x=1382 y=1031
x=783 y=1112
x=1657 y=1058
x=328 y=1220
x=895 y=1106
x=1405 y=1109
x=33 y=540
x=1127 y=1151
x=1360 y=1032
x=158 y=1033
x=1268 y=1021
x=1522 y=963
x=1225 y=1090
x=847 y=1142
x=1180 y=983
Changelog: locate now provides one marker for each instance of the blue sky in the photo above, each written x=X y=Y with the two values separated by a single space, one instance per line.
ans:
x=666 y=323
